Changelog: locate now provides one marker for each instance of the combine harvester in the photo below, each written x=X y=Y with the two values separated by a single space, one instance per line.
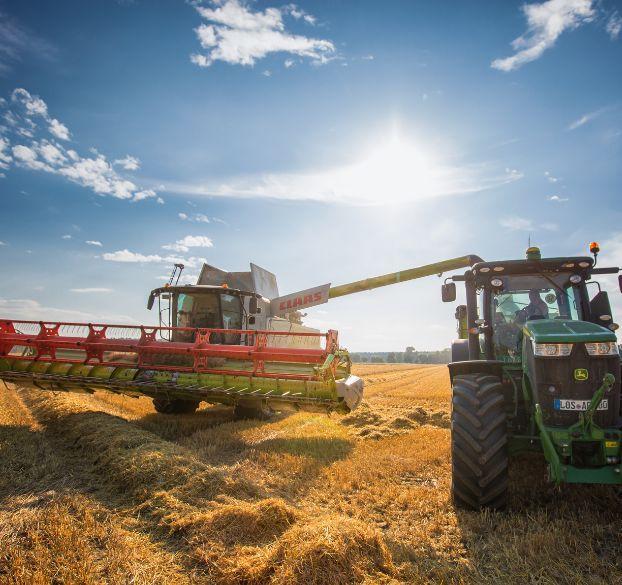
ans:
x=224 y=340
x=536 y=366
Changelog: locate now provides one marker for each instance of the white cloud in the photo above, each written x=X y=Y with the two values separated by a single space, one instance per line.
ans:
x=585 y=119
x=34 y=105
x=289 y=63
x=195 y=217
x=146 y=194
x=3 y=243
x=185 y=278
x=240 y=36
x=66 y=237
x=42 y=154
x=97 y=174
x=52 y=154
x=546 y=21
x=5 y=157
x=557 y=199
x=188 y=242
x=94 y=243
x=59 y=129
x=128 y=257
x=267 y=73
x=517 y=223
x=95 y=289
x=395 y=171
x=550 y=178
x=31 y=310
x=614 y=25
x=298 y=13
x=27 y=157
x=129 y=163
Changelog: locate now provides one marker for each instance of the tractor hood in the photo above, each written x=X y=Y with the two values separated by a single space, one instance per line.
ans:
x=566 y=331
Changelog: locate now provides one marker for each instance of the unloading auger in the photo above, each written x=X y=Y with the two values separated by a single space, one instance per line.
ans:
x=229 y=339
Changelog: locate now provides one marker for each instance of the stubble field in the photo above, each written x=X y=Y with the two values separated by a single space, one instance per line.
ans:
x=101 y=489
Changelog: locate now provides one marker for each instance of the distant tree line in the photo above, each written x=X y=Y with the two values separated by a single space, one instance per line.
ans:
x=410 y=356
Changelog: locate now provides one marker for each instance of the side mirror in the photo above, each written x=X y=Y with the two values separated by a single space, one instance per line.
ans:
x=448 y=292
x=620 y=282
x=150 y=301
x=600 y=308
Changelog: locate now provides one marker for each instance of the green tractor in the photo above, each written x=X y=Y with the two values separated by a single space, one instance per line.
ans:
x=537 y=368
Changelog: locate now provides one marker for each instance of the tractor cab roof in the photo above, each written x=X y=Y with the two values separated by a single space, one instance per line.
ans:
x=577 y=264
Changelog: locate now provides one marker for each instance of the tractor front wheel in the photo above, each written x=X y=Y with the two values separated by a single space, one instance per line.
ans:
x=479 y=453
x=175 y=405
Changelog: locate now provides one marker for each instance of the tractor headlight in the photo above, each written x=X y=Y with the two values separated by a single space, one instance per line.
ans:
x=603 y=348
x=552 y=349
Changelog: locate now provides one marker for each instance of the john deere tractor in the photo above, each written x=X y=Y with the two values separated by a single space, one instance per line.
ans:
x=537 y=368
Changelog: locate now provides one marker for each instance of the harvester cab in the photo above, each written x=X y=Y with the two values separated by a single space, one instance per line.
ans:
x=229 y=304
x=536 y=368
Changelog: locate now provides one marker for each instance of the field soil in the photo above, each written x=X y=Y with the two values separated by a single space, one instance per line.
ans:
x=101 y=489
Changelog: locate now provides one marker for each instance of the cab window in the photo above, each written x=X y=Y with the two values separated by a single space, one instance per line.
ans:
x=231 y=307
x=525 y=298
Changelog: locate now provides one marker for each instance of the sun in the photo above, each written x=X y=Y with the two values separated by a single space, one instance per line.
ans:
x=393 y=170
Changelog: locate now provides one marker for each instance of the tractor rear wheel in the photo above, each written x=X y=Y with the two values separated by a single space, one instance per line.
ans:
x=241 y=412
x=175 y=405
x=479 y=456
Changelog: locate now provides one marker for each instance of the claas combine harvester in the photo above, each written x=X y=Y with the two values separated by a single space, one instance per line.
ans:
x=229 y=339
x=536 y=366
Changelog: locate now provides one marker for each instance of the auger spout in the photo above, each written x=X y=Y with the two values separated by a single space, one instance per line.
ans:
x=403 y=275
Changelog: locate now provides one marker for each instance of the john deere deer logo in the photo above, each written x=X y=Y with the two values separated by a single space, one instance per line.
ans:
x=581 y=374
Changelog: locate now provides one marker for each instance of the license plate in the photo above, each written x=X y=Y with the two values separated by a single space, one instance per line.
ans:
x=569 y=404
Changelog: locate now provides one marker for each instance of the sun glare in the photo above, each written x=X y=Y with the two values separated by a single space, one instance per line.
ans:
x=395 y=170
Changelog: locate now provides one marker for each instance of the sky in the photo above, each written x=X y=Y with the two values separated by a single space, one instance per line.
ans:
x=326 y=141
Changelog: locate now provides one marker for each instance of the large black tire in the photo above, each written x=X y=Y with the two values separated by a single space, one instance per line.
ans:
x=479 y=454
x=241 y=412
x=175 y=406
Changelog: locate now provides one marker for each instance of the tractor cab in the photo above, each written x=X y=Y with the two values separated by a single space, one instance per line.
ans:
x=208 y=307
x=507 y=299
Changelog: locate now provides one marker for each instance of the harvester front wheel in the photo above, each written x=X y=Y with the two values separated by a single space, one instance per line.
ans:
x=478 y=443
x=175 y=406
x=241 y=412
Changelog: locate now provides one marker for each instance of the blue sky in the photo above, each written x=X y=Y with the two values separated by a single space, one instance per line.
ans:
x=326 y=141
